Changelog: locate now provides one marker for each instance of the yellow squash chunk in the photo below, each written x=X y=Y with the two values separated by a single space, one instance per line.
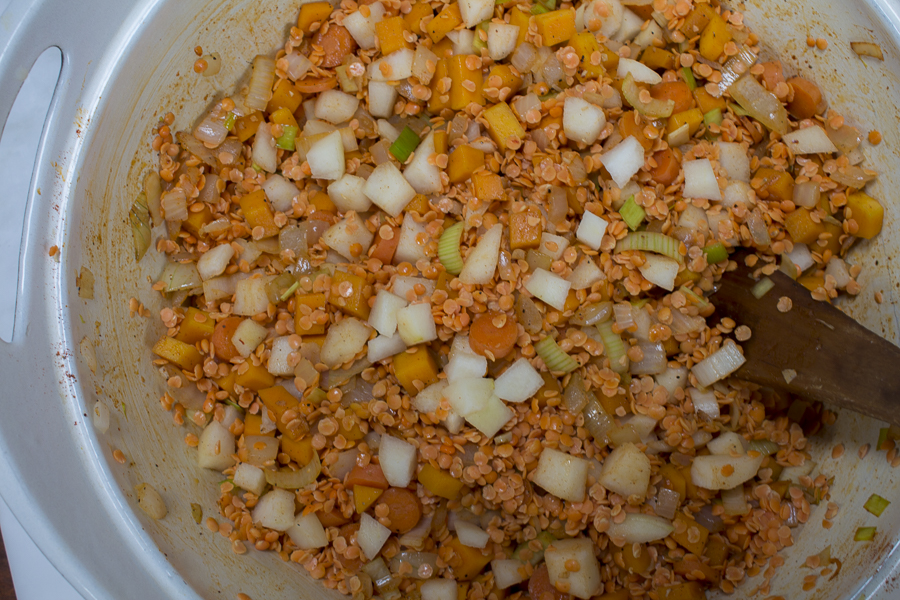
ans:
x=684 y=539
x=503 y=126
x=777 y=184
x=245 y=127
x=415 y=365
x=636 y=563
x=258 y=214
x=657 y=58
x=556 y=27
x=253 y=425
x=440 y=142
x=465 y=83
x=715 y=36
x=285 y=95
x=689 y=590
x=585 y=44
x=443 y=49
x=196 y=326
x=692 y=117
x=868 y=214
x=697 y=20
x=322 y=202
x=507 y=79
x=354 y=432
x=812 y=282
x=418 y=204
x=519 y=19
x=184 y=355
x=467 y=562
x=255 y=378
x=227 y=383
x=196 y=220
x=313 y=12
x=389 y=33
x=440 y=483
x=707 y=101
x=414 y=17
x=673 y=479
x=364 y=497
x=572 y=302
x=283 y=116
x=444 y=23
x=463 y=162
x=301 y=451
x=611 y=404
x=488 y=186
x=314 y=302
x=279 y=400
x=440 y=98
x=351 y=294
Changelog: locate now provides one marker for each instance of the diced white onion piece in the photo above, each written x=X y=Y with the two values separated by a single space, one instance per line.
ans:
x=626 y=471
x=275 y=510
x=416 y=324
x=383 y=316
x=709 y=471
x=335 y=106
x=388 y=189
x=428 y=400
x=307 y=532
x=464 y=362
x=646 y=37
x=735 y=502
x=383 y=347
x=672 y=379
x=584 y=580
x=264 y=153
x=837 y=268
x=624 y=160
x=280 y=192
x=638 y=528
x=326 y=157
x=468 y=396
x=403 y=284
x=314 y=127
x=666 y=503
x=811 y=140
x=453 y=423
x=341 y=236
x=440 y=589
x=214 y=261
x=278 y=364
x=481 y=262
x=549 y=288
x=347 y=193
x=654 y=360
x=553 y=245
x=700 y=180
x=605 y=14
x=630 y=27
x=491 y=418
x=250 y=296
x=507 y=573
x=519 y=382
x=248 y=335
x=802 y=257
x=591 y=230
x=413 y=240
x=100 y=417
x=361 y=28
x=251 y=478
x=562 y=474
x=150 y=501
x=735 y=159
x=463 y=41
x=471 y=535
x=501 y=40
x=582 y=121
x=474 y=12
x=727 y=443
x=371 y=536
x=737 y=191
x=424 y=177
x=344 y=340
x=398 y=460
x=720 y=364
x=705 y=402
x=387 y=131
x=298 y=65
x=219 y=287
x=586 y=274
x=215 y=448
x=639 y=71
x=261 y=450
x=382 y=97
x=398 y=66
x=262 y=78
x=794 y=473
x=420 y=64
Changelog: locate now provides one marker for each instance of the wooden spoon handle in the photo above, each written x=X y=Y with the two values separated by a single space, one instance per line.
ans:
x=813 y=350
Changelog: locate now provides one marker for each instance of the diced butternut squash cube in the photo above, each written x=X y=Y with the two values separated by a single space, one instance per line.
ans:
x=829 y=241
x=258 y=214
x=525 y=228
x=444 y=48
x=322 y=202
x=693 y=118
x=688 y=590
x=697 y=20
x=684 y=538
x=253 y=425
x=364 y=497
x=612 y=404
x=621 y=594
x=466 y=562
x=776 y=184
x=463 y=162
x=572 y=302
x=414 y=18
x=867 y=212
x=178 y=353
x=227 y=383
x=279 y=400
x=440 y=97
x=465 y=83
x=657 y=58
x=255 y=378
x=707 y=101
x=812 y=282
x=440 y=142
x=353 y=433
x=507 y=79
x=313 y=12
x=389 y=33
x=717 y=551
x=519 y=19
x=303 y=322
x=444 y=23
x=196 y=326
x=284 y=95
x=415 y=364
x=555 y=27
x=440 y=483
x=418 y=204
x=196 y=220
x=301 y=451
x=672 y=479
x=504 y=127
x=351 y=294
x=585 y=44
x=283 y=116
x=245 y=127
x=488 y=186
x=715 y=36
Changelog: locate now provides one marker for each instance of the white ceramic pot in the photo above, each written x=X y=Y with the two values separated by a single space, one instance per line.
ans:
x=126 y=63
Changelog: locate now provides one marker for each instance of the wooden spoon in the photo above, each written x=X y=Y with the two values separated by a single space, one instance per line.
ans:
x=813 y=350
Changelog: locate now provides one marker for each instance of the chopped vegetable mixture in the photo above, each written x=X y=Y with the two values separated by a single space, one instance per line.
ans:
x=439 y=296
